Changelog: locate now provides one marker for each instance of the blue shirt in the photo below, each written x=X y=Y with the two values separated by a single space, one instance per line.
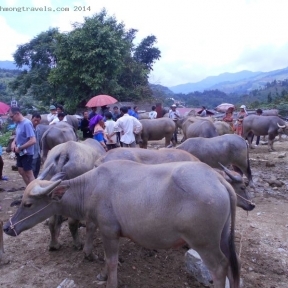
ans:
x=24 y=131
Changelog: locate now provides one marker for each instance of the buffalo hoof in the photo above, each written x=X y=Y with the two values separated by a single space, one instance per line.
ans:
x=54 y=247
x=91 y=257
x=101 y=277
x=78 y=246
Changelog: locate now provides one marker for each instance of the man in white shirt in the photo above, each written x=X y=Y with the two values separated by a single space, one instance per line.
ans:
x=53 y=114
x=153 y=113
x=127 y=125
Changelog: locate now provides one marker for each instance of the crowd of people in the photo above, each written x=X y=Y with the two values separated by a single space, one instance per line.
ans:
x=112 y=129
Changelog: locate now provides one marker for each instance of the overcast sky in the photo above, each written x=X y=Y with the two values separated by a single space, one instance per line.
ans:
x=197 y=38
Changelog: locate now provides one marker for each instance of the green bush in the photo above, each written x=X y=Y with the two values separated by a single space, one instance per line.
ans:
x=4 y=138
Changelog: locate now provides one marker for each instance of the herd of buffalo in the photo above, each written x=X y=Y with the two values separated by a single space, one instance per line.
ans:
x=163 y=198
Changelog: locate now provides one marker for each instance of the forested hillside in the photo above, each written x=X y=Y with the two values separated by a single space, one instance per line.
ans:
x=6 y=76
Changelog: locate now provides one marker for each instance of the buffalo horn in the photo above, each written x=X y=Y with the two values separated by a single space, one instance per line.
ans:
x=235 y=178
x=39 y=191
x=45 y=172
x=281 y=126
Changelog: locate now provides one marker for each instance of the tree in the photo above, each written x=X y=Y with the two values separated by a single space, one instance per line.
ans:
x=96 y=58
x=146 y=53
x=38 y=58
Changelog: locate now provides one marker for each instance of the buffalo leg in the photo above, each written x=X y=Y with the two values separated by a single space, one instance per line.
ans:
x=73 y=227
x=111 y=262
x=250 y=138
x=55 y=227
x=270 y=144
x=88 y=245
x=1 y=241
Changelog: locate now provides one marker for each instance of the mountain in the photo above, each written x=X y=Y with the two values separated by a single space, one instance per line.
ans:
x=8 y=65
x=238 y=83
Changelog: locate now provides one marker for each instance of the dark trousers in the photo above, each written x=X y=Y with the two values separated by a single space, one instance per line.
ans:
x=111 y=146
x=1 y=166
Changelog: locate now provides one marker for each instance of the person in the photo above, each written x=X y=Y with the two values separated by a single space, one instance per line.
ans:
x=92 y=113
x=131 y=112
x=174 y=115
x=228 y=118
x=2 y=166
x=153 y=113
x=36 y=163
x=23 y=144
x=84 y=126
x=203 y=112
x=60 y=109
x=240 y=116
x=136 y=115
x=115 y=114
x=53 y=114
x=110 y=131
x=98 y=131
x=104 y=109
x=60 y=117
x=128 y=125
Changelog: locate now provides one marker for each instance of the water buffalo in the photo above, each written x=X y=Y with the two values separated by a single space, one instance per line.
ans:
x=223 y=128
x=196 y=130
x=226 y=149
x=261 y=126
x=56 y=134
x=156 y=215
x=164 y=155
x=270 y=112
x=167 y=155
x=74 y=159
x=204 y=129
x=155 y=129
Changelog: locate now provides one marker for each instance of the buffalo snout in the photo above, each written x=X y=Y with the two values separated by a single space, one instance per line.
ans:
x=7 y=229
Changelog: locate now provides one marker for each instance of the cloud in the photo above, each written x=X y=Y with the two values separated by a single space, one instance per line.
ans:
x=196 y=38
x=11 y=40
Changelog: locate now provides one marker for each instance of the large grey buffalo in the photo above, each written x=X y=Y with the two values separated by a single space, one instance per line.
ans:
x=226 y=149
x=74 y=159
x=261 y=126
x=155 y=129
x=223 y=128
x=204 y=128
x=56 y=134
x=167 y=155
x=184 y=203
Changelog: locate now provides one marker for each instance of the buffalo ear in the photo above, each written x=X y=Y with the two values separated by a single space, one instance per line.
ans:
x=58 y=192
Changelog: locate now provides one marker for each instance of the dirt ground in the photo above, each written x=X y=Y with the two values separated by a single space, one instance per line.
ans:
x=261 y=240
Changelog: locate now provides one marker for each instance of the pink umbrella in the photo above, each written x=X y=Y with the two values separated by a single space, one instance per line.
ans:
x=4 y=108
x=224 y=106
x=101 y=100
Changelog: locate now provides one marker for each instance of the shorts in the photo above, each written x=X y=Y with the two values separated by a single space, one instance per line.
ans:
x=24 y=162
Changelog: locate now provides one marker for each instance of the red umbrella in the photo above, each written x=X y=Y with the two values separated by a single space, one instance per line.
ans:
x=4 y=108
x=224 y=107
x=101 y=100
